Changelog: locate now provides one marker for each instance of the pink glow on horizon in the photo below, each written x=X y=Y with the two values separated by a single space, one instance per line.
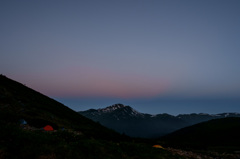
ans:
x=89 y=82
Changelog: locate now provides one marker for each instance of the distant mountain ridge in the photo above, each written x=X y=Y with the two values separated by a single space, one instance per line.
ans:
x=117 y=109
x=125 y=119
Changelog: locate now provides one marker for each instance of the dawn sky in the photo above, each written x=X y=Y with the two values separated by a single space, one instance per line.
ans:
x=121 y=49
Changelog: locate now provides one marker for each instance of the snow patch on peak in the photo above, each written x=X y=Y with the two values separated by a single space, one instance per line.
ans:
x=122 y=109
x=134 y=112
x=111 y=108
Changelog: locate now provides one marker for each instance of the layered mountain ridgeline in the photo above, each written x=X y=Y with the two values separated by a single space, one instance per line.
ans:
x=217 y=135
x=23 y=112
x=125 y=119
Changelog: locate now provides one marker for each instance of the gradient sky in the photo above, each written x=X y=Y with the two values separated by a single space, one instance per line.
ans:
x=121 y=49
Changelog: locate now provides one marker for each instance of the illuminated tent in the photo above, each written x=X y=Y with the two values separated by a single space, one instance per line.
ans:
x=158 y=146
x=23 y=122
x=48 y=128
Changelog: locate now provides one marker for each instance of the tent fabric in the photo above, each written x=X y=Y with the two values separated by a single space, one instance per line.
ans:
x=23 y=122
x=48 y=128
x=158 y=146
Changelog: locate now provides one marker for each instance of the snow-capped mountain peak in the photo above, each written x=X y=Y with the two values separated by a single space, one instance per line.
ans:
x=116 y=110
x=111 y=108
x=120 y=109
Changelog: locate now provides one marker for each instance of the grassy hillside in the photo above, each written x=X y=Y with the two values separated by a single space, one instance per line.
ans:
x=16 y=143
x=20 y=102
x=80 y=138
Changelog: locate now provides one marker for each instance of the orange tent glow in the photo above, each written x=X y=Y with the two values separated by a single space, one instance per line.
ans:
x=48 y=128
x=158 y=146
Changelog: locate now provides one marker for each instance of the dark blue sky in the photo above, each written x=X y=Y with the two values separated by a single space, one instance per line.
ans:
x=123 y=49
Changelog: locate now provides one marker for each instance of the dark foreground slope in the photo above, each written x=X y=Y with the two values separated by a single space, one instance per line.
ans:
x=20 y=102
x=217 y=134
x=80 y=138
